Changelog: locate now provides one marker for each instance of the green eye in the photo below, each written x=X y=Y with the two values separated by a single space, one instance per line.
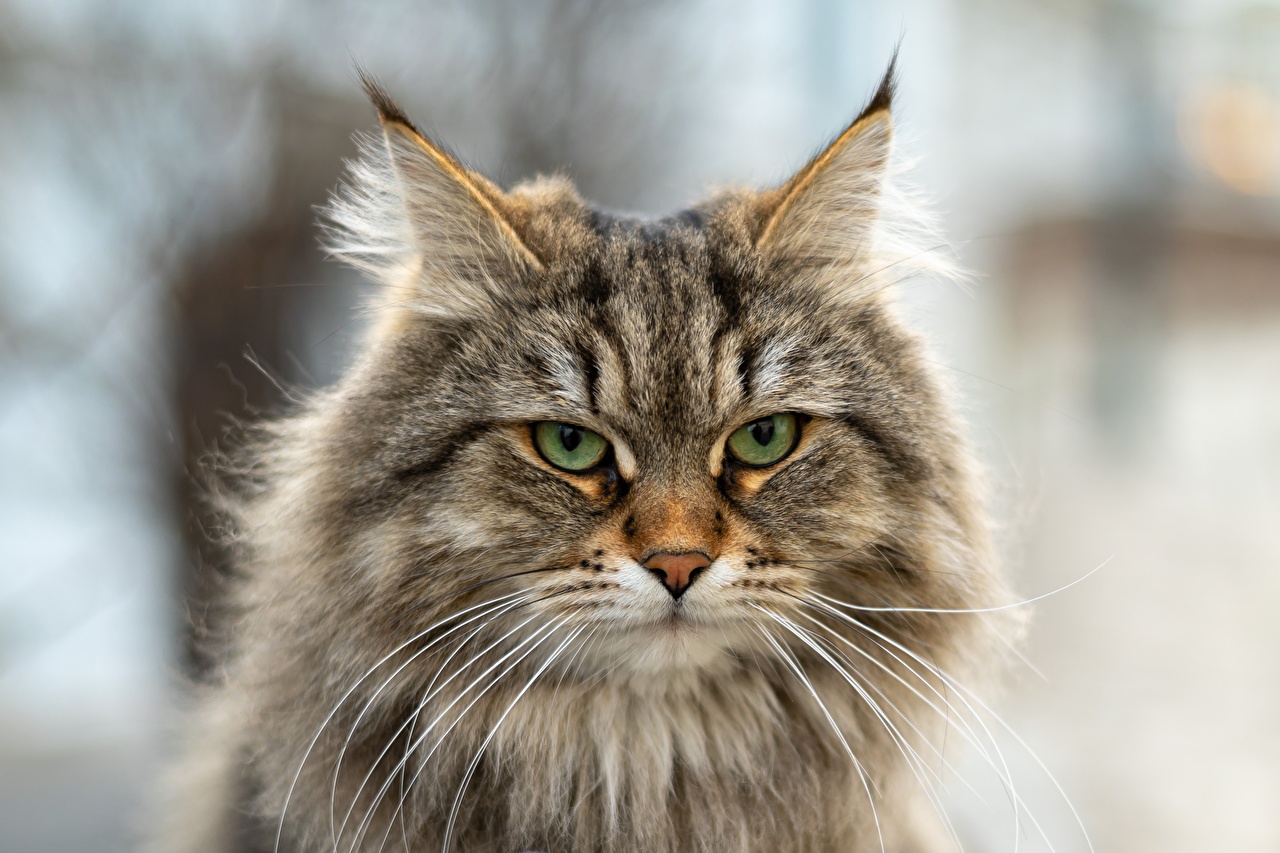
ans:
x=764 y=441
x=572 y=448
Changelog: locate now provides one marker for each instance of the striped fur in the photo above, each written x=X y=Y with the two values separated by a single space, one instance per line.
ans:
x=443 y=642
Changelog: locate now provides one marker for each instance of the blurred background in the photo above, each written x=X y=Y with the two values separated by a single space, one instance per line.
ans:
x=1109 y=169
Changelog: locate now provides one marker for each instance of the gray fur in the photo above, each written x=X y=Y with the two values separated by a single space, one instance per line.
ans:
x=410 y=492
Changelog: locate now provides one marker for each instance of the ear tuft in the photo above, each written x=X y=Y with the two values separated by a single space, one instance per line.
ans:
x=389 y=111
x=882 y=100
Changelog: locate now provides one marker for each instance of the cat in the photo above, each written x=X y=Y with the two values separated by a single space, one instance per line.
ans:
x=621 y=534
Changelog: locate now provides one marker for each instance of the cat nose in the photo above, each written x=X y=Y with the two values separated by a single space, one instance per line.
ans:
x=677 y=571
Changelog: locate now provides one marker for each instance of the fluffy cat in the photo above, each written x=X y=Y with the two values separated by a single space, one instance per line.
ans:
x=620 y=535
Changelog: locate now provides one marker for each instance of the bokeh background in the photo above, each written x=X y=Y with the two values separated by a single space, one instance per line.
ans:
x=1109 y=169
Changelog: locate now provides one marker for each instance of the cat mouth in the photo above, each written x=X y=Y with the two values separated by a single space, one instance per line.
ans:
x=677 y=619
x=682 y=619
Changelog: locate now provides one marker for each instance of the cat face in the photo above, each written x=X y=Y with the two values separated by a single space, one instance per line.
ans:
x=666 y=433
x=743 y=437
x=621 y=534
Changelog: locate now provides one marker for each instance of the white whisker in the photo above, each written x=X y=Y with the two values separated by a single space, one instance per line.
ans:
x=496 y=611
x=319 y=732
x=1034 y=757
x=914 y=762
x=995 y=609
x=798 y=671
x=1005 y=775
x=962 y=691
x=539 y=634
x=966 y=732
x=398 y=814
x=471 y=769
x=413 y=724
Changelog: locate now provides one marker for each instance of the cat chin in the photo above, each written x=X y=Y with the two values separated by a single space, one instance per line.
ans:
x=666 y=653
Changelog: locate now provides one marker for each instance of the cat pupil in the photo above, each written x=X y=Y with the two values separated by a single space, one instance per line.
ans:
x=570 y=437
x=762 y=431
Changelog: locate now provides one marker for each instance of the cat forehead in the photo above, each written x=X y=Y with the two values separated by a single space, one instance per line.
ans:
x=629 y=247
x=666 y=319
x=682 y=268
x=668 y=283
x=637 y=321
x=687 y=282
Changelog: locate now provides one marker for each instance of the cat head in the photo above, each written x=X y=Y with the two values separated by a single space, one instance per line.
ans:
x=670 y=434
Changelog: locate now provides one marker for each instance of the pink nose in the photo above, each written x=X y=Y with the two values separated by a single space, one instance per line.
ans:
x=677 y=571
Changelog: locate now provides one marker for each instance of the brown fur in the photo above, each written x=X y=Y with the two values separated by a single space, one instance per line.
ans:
x=412 y=492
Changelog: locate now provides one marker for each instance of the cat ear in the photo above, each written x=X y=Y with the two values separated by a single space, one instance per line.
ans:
x=435 y=231
x=826 y=218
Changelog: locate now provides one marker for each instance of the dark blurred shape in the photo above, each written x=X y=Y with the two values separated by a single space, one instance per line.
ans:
x=233 y=298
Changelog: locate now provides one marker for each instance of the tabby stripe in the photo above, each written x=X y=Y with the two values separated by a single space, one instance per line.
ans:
x=618 y=351
x=443 y=450
x=747 y=358
x=910 y=466
x=591 y=375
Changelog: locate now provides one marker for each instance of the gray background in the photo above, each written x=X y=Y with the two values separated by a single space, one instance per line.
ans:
x=1109 y=169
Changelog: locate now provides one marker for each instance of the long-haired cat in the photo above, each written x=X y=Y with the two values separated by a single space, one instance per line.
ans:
x=621 y=535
